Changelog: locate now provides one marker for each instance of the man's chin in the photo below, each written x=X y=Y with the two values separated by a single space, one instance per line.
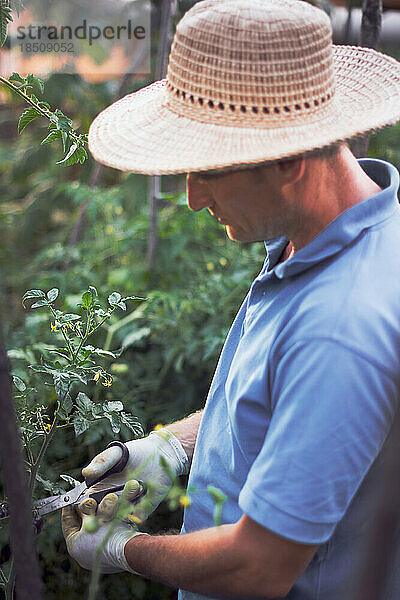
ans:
x=240 y=236
x=232 y=235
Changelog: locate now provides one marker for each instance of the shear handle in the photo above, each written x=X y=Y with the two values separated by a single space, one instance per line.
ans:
x=98 y=496
x=117 y=468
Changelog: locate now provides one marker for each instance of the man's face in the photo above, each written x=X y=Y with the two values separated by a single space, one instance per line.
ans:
x=248 y=202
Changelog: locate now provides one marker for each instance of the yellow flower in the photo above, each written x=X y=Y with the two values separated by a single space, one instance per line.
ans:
x=53 y=326
x=134 y=519
x=46 y=427
x=97 y=376
x=158 y=426
x=210 y=266
x=109 y=229
x=107 y=381
x=223 y=261
x=184 y=500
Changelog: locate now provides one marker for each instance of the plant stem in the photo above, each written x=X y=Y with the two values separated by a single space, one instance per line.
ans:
x=84 y=337
x=102 y=322
x=46 y=442
x=45 y=113
x=113 y=328
x=124 y=510
x=10 y=583
x=27 y=445
x=66 y=338
x=25 y=96
x=2 y=577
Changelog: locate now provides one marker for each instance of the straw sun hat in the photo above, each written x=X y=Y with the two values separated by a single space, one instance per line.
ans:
x=248 y=81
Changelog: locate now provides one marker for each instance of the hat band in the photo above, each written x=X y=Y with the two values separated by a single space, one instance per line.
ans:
x=206 y=110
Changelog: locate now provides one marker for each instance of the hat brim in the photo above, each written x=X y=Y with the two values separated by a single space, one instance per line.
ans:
x=140 y=134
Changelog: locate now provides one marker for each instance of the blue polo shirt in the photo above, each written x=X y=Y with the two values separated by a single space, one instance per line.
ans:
x=305 y=392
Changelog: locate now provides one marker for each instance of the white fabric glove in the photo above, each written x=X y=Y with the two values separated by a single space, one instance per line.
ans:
x=156 y=460
x=86 y=527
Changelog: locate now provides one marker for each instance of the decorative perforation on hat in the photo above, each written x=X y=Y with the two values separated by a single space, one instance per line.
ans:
x=241 y=69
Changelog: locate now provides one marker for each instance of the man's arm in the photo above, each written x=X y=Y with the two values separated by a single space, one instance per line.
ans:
x=186 y=432
x=243 y=559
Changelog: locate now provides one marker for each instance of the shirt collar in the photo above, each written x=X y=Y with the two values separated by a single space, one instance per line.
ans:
x=344 y=229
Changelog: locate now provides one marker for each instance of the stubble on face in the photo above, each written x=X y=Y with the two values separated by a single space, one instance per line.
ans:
x=248 y=202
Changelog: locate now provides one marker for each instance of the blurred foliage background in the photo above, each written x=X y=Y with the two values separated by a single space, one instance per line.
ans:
x=195 y=286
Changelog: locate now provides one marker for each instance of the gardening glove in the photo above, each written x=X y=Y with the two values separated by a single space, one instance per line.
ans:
x=156 y=460
x=86 y=528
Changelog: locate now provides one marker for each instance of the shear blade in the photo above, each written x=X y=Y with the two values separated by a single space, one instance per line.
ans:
x=48 y=505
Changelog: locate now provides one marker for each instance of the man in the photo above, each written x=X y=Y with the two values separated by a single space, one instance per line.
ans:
x=255 y=108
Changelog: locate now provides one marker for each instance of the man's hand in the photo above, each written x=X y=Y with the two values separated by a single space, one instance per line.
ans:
x=156 y=460
x=90 y=527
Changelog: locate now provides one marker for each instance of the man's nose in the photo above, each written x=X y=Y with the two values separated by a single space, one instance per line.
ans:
x=198 y=192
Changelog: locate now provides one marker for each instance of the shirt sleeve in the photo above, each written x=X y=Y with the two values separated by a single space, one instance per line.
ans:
x=332 y=411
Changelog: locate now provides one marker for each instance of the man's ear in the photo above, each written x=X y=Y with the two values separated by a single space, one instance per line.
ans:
x=291 y=170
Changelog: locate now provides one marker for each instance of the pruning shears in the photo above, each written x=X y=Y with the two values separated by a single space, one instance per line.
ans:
x=83 y=490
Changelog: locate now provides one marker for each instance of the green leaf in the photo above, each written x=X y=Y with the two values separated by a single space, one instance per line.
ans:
x=97 y=411
x=84 y=403
x=114 y=298
x=80 y=424
x=41 y=369
x=102 y=314
x=132 y=423
x=44 y=105
x=86 y=363
x=77 y=375
x=52 y=294
x=64 y=137
x=135 y=336
x=49 y=486
x=27 y=116
x=115 y=421
x=87 y=299
x=32 y=294
x=17 y=353
x=5 y=18
x=36 y=83
x=100 y=352
x=93 y=292
x=53 y=135
x=61 y=121
x=70 y=152
x=113 y=406
x=40 y=303
x=19 y=384
x=66 y=406
x=61 y=384
x=133 y=298
x=18 y=5
x=73 y=482
x=68 y=317
x=80 y=155
x=60 y=352
x=17 y=77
